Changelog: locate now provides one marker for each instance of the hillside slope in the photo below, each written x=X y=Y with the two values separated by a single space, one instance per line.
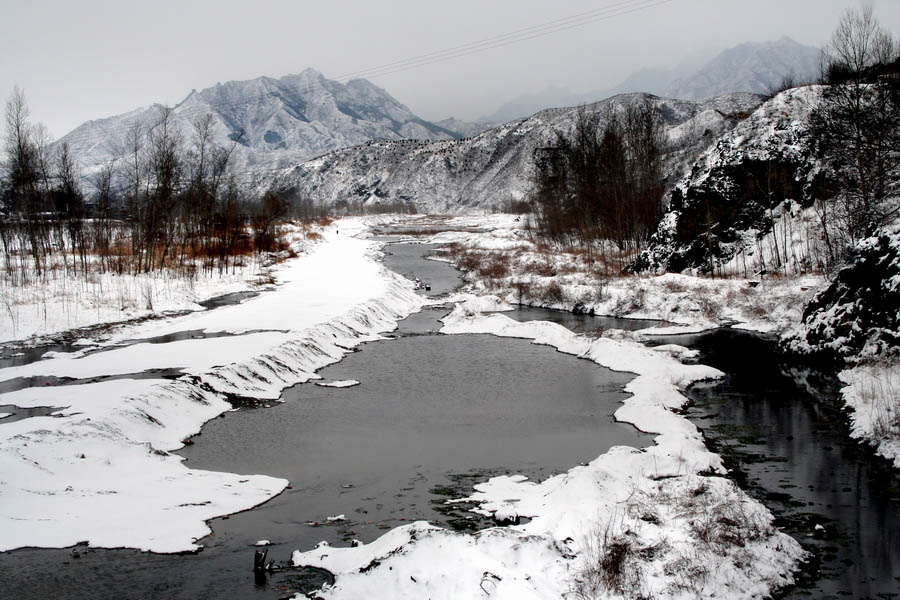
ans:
x=486 y=171
x=760 y=176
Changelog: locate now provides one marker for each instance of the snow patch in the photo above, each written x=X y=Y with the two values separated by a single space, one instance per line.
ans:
x=338 y=384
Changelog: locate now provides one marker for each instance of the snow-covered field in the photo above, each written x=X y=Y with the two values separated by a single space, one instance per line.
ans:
x=99 y=469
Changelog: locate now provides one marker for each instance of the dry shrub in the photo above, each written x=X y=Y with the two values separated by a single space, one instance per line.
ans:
x=721 y=521
x=542 y=247
x=612 y=564
x=687 y=575
x=313 y=236
x=709 y=308
x=554 y=294
x=468 y=261
x=523 y=290
x=632 y=301
x=542 y=268
x=674 y=286
x=749 y=299
x=494 y=266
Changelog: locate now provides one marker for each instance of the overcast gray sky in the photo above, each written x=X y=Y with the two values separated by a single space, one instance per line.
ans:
x=84 y=59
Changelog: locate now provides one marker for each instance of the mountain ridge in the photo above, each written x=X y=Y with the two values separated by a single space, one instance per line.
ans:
x=276 y=121
x=692 y=79
x=486 y=171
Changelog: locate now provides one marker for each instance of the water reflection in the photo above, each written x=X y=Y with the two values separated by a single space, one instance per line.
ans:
x=784 y=432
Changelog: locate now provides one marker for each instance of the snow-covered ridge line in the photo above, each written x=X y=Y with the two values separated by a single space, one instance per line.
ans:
x=490 y=169
x=653 y=502
x=100 y=471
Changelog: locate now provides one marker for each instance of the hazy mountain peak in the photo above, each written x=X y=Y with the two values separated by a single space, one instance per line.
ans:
x=747 y=67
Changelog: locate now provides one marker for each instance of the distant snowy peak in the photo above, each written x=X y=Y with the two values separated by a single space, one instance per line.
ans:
x=749 y=67
x=465 y=128
x=276 y=121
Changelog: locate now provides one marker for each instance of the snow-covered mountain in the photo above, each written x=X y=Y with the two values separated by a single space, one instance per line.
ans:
x=276 y=121
x=465 y=128
x=750 y=67
x=484 y=172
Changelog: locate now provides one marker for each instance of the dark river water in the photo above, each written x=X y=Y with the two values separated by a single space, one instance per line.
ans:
x=786 y=437
x=433 y=415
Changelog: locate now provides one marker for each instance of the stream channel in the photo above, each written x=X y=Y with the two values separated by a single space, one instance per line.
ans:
x=785 y=438
x=433 y=416
x=380 y=456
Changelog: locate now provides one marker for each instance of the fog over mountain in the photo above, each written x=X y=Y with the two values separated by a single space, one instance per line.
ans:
x=749 y=67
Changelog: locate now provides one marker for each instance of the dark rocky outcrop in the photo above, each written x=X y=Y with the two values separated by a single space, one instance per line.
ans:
x=728 y=196
x=858 y=315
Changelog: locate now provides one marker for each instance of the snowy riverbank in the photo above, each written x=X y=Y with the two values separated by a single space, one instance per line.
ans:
x=99 y=469
x=508 y=263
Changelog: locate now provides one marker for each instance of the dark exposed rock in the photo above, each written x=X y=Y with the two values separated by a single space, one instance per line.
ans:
x=726 y=199
x=858 y=315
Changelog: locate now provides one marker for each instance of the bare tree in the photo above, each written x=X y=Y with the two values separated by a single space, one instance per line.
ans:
x=856 y=126
x=165 y=165
x=104 y=199
x=604 y=181
x=858 y=43
x=23 y=171
x=69 y=202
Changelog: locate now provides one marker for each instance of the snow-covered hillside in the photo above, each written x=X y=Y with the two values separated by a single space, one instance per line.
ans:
x=747 y=193
x=276 y=121
x=486 y=171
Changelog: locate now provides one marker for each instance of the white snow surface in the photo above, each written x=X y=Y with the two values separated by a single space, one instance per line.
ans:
x=345 y=383
x=100 y=471
x=688 y=303
x=872 y=392
x=548 y=556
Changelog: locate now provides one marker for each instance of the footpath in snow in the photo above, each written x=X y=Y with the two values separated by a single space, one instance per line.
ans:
x=100 y=469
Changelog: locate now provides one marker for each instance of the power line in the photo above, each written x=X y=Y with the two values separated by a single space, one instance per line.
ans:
x=611 y=11
x=524 y=31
